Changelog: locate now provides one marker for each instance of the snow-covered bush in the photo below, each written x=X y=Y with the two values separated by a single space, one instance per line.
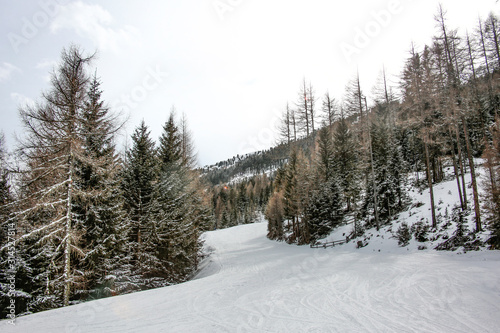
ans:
x=420 y=230
x=403 y=234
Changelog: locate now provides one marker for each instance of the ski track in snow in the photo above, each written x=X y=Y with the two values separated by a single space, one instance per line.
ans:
x=252 y=284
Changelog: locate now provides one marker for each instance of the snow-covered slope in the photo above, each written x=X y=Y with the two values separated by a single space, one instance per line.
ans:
x=251 y=284
x=419 y=211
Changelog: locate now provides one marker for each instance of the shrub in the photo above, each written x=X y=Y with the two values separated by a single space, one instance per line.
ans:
x=403 y=234
x=420 y=230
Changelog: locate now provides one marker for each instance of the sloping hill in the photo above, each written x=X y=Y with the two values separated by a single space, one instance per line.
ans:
x=252 y=284
x=245 y=166
x=418 y=215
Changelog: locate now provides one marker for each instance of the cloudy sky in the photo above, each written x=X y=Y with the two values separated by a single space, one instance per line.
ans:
x=229 y=65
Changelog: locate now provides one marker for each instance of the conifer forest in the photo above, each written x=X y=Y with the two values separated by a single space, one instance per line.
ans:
x=96 y=218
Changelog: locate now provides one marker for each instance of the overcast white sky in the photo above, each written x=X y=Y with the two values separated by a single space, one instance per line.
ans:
x=229 y=65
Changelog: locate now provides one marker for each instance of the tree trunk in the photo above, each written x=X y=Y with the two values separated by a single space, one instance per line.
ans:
x=481 y=34
x=375 y=191
x=288 y=132
x=461 y=164
x=473 y=177
x=360 y=108
x=294 y=127
x=67 y=241
x=429 y=181
x=471 y=59
x=495 y=38
x=491 y=171
x=457 y=176
x=306 y=110
x=455 y=169
x=311 y=106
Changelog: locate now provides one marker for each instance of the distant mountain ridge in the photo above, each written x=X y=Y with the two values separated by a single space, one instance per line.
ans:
x=252 y=164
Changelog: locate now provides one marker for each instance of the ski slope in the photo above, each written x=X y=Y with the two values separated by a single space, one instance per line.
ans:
x=251 y=284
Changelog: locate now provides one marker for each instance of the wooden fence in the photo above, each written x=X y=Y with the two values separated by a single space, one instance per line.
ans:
x=349 y=219
x=318 y=245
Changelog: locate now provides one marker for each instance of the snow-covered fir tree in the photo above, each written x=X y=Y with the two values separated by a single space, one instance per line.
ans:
x=346 y=162
x=102 y=214
x=176 y=217
x=5 y=191
x=325 y=208
x=138 y=179
x=170 y=148
x=388 y=169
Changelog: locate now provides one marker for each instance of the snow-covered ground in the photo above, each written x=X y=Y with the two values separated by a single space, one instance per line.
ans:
x=419 y=210
x=252 y=284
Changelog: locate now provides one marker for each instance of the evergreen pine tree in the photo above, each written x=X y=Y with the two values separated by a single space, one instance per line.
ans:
x=139 y=176
x=346 y=163
x=176 y=216
x=5 y=192
x=242 y=203
x=291 y=200
x=388 y=168
x=171 y=245
x=101 y=213
x=325 y=210
x=325 y=158
x=170 y=149
x=8 y=266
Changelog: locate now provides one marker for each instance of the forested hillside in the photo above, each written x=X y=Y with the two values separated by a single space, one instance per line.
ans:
x=245 y=166
x=443 y=112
